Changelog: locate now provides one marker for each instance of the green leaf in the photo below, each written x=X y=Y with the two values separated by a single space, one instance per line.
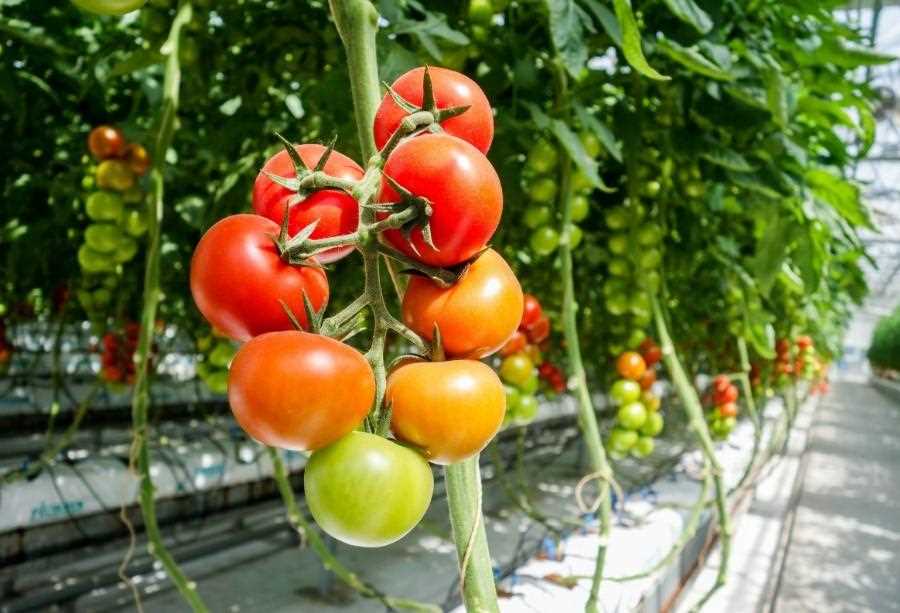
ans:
x=692 y=59
x=755 y=184
x=727 y=158
x=631 y=41
x=571 y=144
x=771 y=249
x=842 y=195
x=190 y=209
x=777 y=96
x=138 y=60
x=566 y=33
x=688 y=12
x=606 y=19
x=849 y=55
x=604 y=134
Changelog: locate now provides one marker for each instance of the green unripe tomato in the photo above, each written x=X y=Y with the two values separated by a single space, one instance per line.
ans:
x=695 y=189
x=135 y=223
x=217 y=382
x=618 y=244
x=614 y=286
x=528 y=408
x=544 y=241
x=513 y=397
x=575 y=235
x=536 y=216
x=643 y=447
x=543 y=190
x=648 y=234
x=88 y=183
x=222 y=354
x=580 y=207
x=654 y=424
x=104 y=206
x=632 y=415
x=619 y=267
x=531 y=384
x=126 y=249
x=591 y=143
x=617 y=218
x=617 y=304
x=360 y=472
x=637 y=335
x=543 y=157
x=650 y=281
x=651 y=189
x=516 y=369
x=622 y=440
x=102 y=237
x=625 y=391
x=92 y=261
x=580 y=183
x=649 y=259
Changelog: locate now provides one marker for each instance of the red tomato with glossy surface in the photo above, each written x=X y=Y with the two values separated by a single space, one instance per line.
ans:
x=238 y=278
x=336 y=211
x=451 y=410
x=464 y=192
x=630 y=365
x=477 y=315
x=531 y=311
x=451 y=88
x=299 y=391
x=516 y=343
x=726 y=395
x=366 y=490
x=137 y=158
x=651 y=352
x=721 y=383
x=106 y=142
x=539 y=331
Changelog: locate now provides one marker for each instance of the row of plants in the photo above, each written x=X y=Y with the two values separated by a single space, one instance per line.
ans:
x=672 y=176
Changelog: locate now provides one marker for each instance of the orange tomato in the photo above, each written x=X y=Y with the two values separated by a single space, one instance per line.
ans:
x=631 y=365
x=515 y=344
x=450 y=409
x=647 y=379
x=137 y=158
x=476 y=315
x=729 y=409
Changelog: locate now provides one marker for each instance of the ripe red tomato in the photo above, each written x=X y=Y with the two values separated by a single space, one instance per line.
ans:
x=451 y=88
x=726 y=395
x=539 y=331
x=238 y=278
x=783 y=347
x=515 y=344
x=651 y=352
x=137 y=158
x=464 y=192
x=106 y=142
x=721 y=383
x=336 y=211
x=531 y=311
x=630 y=365
x=487 y=293
x=299 y=391
x=367 y=491
x=728 y=409
x=451 y=410
x=648 y=379
x=804 y=342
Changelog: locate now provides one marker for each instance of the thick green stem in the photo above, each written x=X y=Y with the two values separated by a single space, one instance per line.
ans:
x=310 y=535
x=140 y=404
x=463 y=482
x=697 y=423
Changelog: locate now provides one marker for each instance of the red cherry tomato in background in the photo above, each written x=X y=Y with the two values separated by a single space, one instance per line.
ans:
x=647 y=379
x=531 y=311
x=515 y=344
x=451 y=88
x=451 y=410
x=106 y=142
x=137 y=158
x=651 y=352
x=477 y=315
x=729 y=394
x=336 y=211
x=464 y=192
x=804 y=342
x=238 y=279
x=539 y=331
x=721 y=383
x=299 y=391
x=729 y=409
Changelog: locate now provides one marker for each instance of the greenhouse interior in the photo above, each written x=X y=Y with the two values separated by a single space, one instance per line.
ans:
x=552 y=306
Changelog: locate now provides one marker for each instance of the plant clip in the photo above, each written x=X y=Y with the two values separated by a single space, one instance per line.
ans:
x=437 y=345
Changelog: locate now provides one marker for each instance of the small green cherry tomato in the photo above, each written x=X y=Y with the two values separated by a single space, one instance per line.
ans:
x=543 y=157
x=618 y=244
x=625 y=391
x=516 y=369
x=536 y=216
x=580 y=207
x=544 y=240
x=543 y=190
x=632 y=415
x=622 y=440
x=643 y=447
x=104 y=206
x=654 y=424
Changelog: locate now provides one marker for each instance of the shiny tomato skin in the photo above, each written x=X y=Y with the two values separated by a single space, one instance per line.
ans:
x=297 y=390
x=726 y=395
x=336 y=211
x=647 y=379
x=451 y=410
x=531 y=310
x=451 y=88
x=487 y=293
x=651 y=352
x=728 y=409
x=516 y=343
x=630 y=365
x=137 y=158
x=464 y=192
x=238 y=278
x=367 y=491
x=721 y=383
x=109 y=7
x=539 y=331
x=106 y=142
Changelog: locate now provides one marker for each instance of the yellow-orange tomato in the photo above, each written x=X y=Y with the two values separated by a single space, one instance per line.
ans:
x=450 y=409
x=298 y=390
x=631 y=365
x=137 y=158
x=476 y=315
x=115 y=175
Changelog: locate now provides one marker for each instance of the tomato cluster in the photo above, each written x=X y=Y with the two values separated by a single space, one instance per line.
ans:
x=117 y=355
x=638 y=420
x=523 y=366
x=254 y=281
x=540 y=183
x=115 y=207
x=722 y=416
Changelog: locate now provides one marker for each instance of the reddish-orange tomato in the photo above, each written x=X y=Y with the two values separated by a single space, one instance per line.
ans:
x=515 y=344
x=783 y=347
x=476 y=315
x=450 y=409
x=648 y=379
x=137 y=158
x=726 y=395
x=630 y=365
x=238 y=280
x=106 y=142
x=299 y=391
x=651 y=352
x=531 y=311
x=721 y=383
x=804 y=342
x=729 y=409
x=539 y=330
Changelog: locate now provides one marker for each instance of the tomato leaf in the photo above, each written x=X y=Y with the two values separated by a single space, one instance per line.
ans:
x=771 y=249
x=692 y=59
x=727 y=158
x=631 y=41
x=606 y=19
x=688 y=12
x=567 y=35
x=575 y=150
x=842 y=195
